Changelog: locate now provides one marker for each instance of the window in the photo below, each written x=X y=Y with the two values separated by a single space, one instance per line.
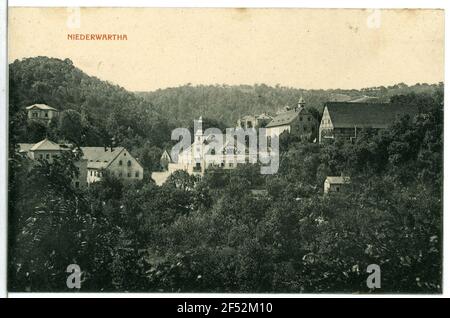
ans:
x=249 y=124
x=129 y=174
x=337 y=189
x=136 y=174
x=47 y=156
x=124 y=153
x=120 y=162
x=41 y=156
x=230 y=165
x=46 y=114
x=269 y=141
x=129 y=163
x=35 y=114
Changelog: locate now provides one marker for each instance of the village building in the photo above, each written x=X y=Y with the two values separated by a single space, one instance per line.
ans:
x=251 y=121
x=115 y=161
x=49 y=151
x=336 y=184
x=41 y=112
x=344 y=120
x=298 y=119
x=201 y=155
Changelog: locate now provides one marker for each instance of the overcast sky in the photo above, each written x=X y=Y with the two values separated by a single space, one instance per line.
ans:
x=291 y=47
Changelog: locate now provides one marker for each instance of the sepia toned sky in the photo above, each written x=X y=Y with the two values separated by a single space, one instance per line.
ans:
x=302 y=48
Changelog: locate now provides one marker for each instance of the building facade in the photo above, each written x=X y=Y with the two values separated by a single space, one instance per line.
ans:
x=336 y=184
x=49 y=151
x=41 y=112
x=250 y=121
x=206 y=152
x=345 y=120
x=297 y=119
x=115 y=161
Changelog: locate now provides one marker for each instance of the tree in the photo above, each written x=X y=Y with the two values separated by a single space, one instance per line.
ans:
x=70 y=126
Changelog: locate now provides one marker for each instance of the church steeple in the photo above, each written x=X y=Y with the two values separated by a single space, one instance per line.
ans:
x=198 y=130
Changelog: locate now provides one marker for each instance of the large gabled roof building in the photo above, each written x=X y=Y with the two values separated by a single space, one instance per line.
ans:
x=116 y=161
x=299 y=117
x=345 y=119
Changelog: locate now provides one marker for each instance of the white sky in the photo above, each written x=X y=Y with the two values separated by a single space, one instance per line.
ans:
x=303 y=48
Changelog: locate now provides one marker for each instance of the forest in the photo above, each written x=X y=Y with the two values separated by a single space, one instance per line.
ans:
x=214 y=234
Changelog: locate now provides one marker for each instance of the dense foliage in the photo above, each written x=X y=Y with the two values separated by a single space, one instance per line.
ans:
x=216 y=234
x=228 y=103
x=93 y=112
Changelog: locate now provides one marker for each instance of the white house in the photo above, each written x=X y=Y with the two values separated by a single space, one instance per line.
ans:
x=49 y=151
x=41 y=112
x=204 y=153
x=335 y=184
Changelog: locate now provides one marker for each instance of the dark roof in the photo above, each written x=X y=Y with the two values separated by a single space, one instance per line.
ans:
x=100 y=157
x=374 y=115
x=284 y=118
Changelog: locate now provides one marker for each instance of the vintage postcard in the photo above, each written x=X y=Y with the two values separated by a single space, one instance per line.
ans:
x=207 y=150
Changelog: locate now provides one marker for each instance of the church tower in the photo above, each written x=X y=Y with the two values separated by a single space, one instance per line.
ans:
x=198 y=143
x=198 y=128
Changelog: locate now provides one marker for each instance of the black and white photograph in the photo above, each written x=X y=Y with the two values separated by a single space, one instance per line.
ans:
x=225 y=150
